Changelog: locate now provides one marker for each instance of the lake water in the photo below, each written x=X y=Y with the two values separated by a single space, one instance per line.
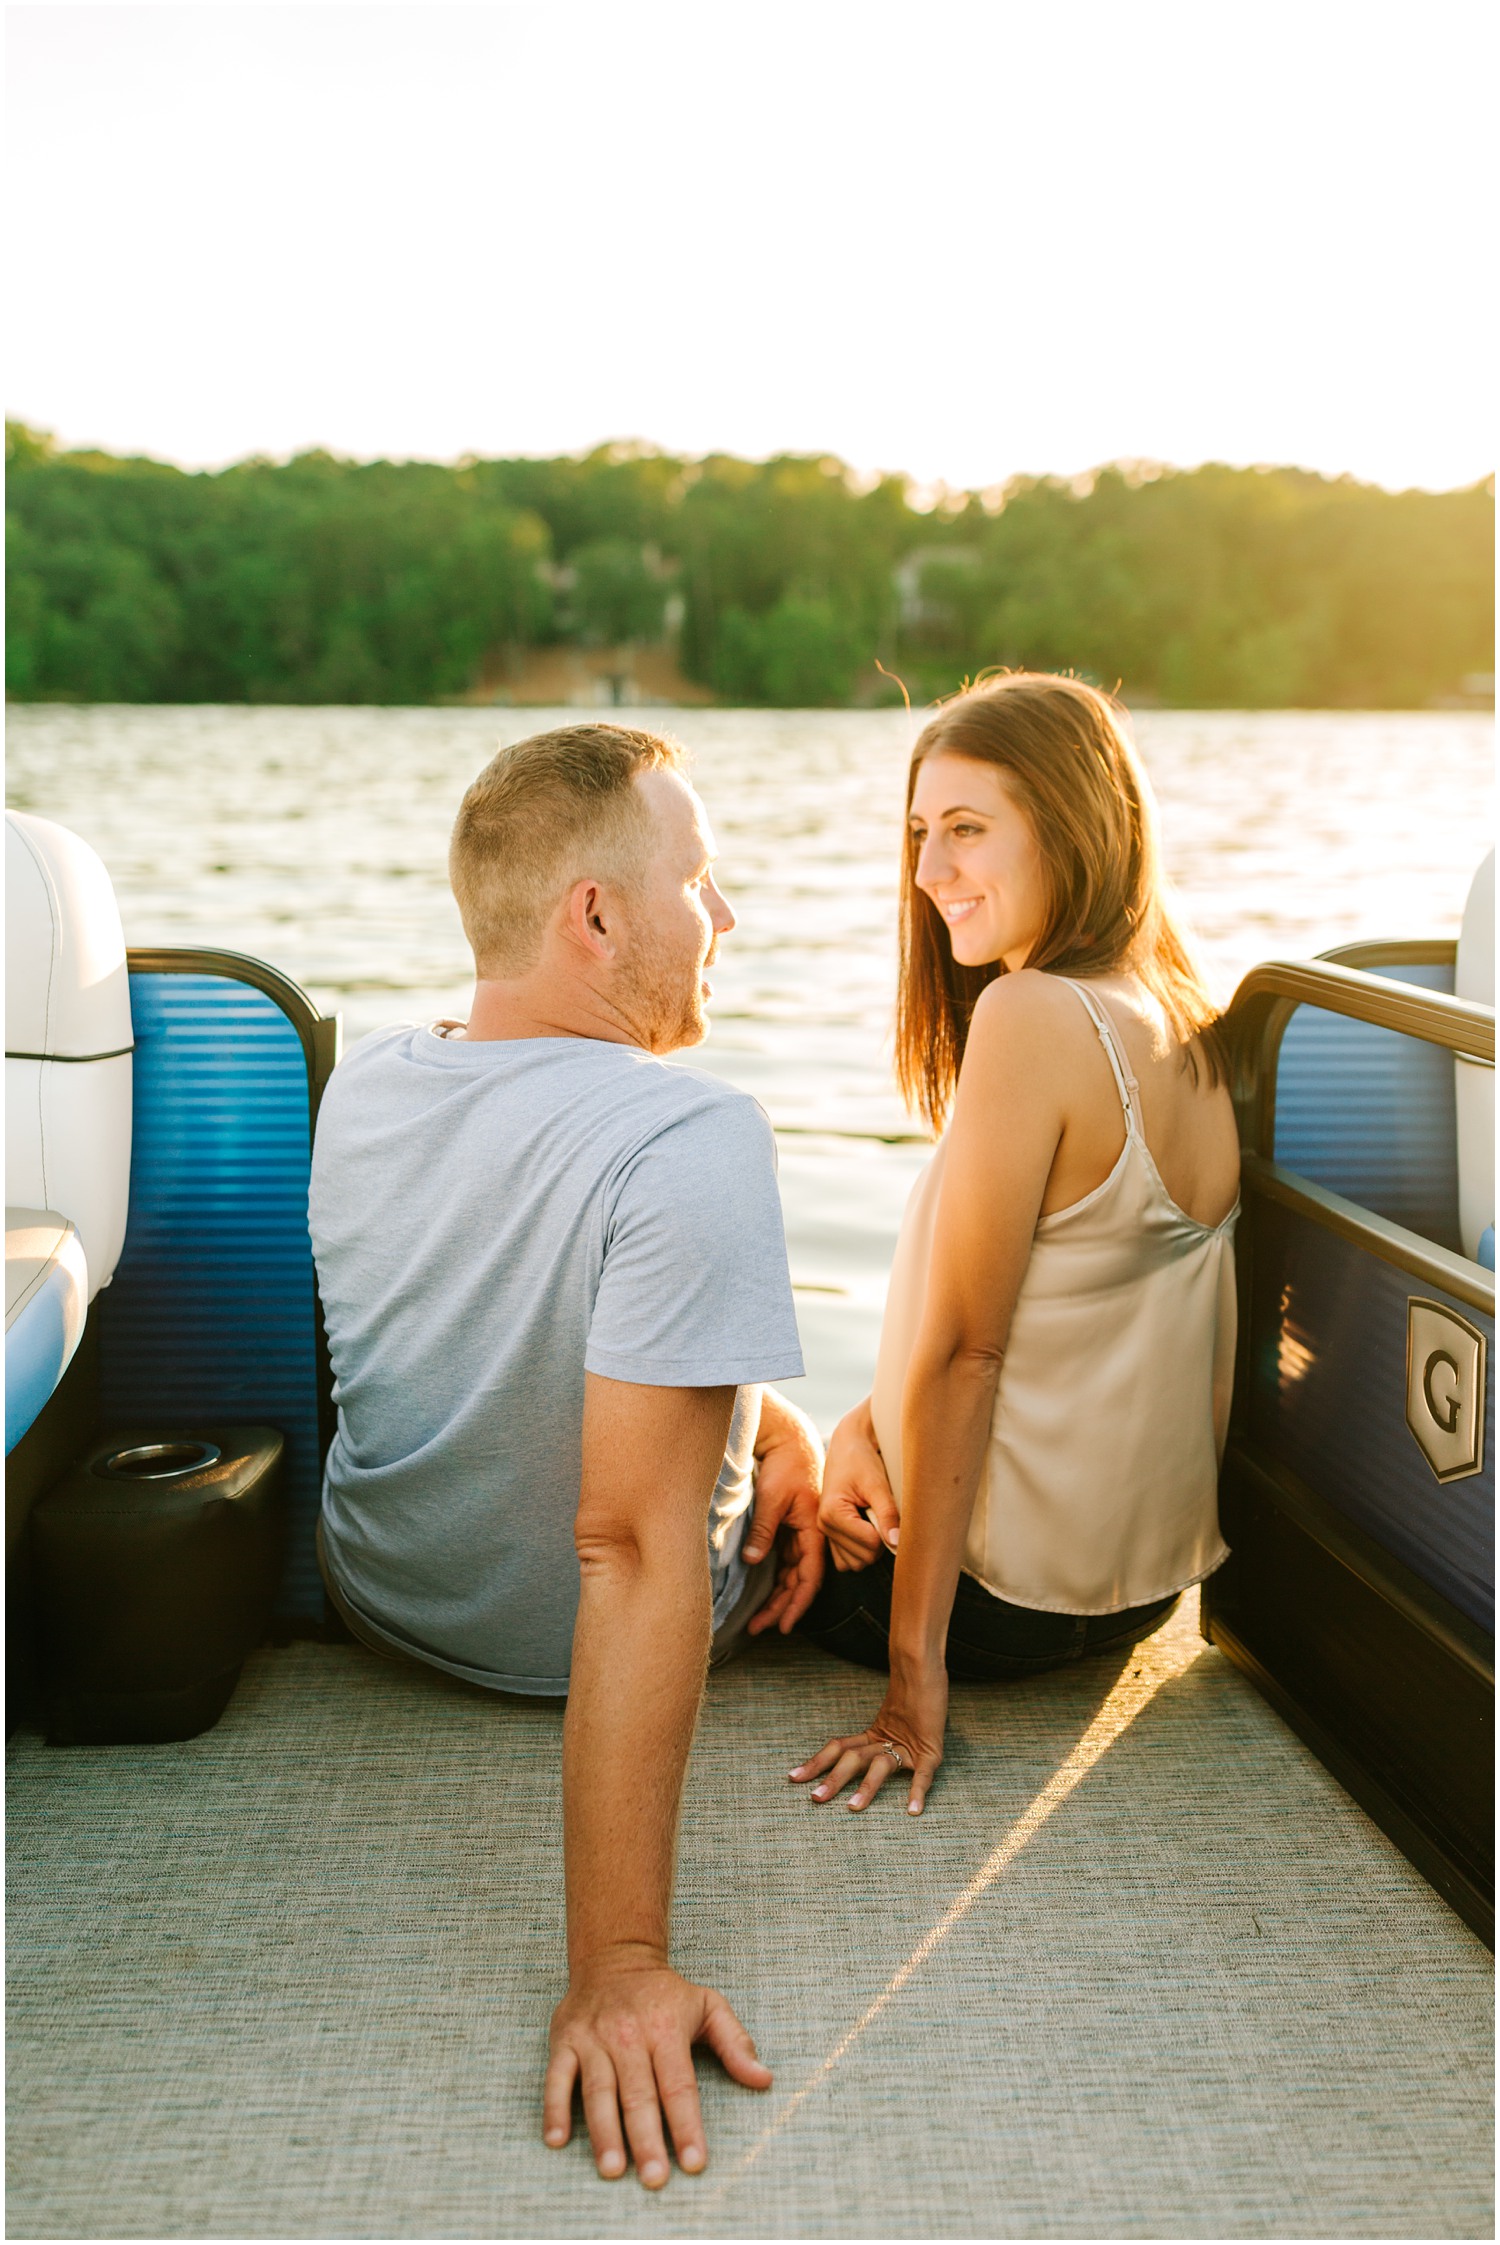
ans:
x=317 y=838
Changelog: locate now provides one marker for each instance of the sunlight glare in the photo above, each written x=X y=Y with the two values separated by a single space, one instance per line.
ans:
x=1157 y=1663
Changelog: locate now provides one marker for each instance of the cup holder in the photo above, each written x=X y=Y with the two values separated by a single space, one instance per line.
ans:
x=153 y=1570
x=158 y=1461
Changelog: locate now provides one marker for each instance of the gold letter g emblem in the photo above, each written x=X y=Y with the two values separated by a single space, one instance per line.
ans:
x=1444 y=1414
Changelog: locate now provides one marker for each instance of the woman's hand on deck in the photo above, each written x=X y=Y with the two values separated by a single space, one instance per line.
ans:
x=858 y=1512
x=913 y=1717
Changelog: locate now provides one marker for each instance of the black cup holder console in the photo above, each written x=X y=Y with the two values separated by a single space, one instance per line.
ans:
x=157 y=1461
x=154 y=1564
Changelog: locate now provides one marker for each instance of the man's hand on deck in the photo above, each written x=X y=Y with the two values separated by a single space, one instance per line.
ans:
x=788 y=1485
x=624 y=2035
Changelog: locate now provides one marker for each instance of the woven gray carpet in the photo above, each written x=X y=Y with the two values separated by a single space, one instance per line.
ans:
x=1142 y=1971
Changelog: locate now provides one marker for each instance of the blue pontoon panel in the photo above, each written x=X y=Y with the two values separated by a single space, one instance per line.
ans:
x=212 y=1314
x=1371 y=1115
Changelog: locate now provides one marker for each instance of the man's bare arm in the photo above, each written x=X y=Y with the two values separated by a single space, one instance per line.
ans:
x=625 y=2030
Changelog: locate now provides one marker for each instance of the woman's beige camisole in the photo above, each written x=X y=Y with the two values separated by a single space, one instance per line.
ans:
x=1100 y=1482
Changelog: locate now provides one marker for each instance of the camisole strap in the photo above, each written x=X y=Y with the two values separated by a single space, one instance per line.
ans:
x=1125 y=1082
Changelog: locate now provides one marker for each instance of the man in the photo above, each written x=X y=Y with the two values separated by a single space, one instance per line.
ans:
x=554 y=1277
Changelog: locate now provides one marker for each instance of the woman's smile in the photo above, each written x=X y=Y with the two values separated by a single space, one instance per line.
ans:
x=965 y=825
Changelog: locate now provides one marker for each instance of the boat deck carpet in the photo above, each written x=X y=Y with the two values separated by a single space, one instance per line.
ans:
x=1143 y=1970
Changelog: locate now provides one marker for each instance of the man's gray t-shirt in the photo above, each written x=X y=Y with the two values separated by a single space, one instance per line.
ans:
x=490 y=1220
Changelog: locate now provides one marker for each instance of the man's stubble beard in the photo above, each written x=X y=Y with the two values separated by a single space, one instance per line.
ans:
x=663 y=996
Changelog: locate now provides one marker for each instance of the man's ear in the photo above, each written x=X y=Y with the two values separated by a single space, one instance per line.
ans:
x=590 y=920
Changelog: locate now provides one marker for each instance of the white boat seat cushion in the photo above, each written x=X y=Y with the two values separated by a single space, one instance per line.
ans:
x=67 y=1039
x=46 y=1301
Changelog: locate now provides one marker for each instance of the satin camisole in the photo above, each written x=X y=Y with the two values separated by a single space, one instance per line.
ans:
x=1099 y=1487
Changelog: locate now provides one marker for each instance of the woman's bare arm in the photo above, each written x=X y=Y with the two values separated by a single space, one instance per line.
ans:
x=1007 y=1124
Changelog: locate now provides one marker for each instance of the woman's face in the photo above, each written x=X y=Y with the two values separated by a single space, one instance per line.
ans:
x=977 y=858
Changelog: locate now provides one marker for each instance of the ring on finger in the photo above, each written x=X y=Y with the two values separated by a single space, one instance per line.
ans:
x=885 y=1746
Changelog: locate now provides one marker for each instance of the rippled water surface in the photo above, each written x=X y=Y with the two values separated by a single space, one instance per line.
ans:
x=316 y=838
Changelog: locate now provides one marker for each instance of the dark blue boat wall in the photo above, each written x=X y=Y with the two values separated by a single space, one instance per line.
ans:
x=1326 y=1397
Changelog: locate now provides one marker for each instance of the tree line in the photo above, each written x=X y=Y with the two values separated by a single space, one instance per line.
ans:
x=785 y=582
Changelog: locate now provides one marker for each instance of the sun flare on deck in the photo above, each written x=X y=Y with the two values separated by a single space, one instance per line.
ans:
x=1151 y=1665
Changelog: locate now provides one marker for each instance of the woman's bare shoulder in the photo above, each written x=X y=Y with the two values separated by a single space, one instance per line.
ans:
x=1029 y=1041
x=1028 y=1007
x=1029 y=994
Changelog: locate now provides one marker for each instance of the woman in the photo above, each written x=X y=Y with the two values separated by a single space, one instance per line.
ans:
x=1034 y=1476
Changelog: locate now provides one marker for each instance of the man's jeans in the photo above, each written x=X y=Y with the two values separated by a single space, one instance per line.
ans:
x=730 y=1636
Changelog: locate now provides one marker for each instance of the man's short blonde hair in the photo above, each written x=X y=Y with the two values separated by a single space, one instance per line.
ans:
x=544 y=813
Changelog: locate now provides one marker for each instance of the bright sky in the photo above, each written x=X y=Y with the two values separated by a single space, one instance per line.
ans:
x=958 y=240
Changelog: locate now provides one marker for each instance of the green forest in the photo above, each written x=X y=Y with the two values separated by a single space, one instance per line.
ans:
x=785 y=582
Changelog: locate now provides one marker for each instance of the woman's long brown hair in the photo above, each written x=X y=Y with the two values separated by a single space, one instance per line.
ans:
x=1066 y=754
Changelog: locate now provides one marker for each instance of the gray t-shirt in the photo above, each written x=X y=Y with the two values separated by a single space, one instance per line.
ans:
x=490 y=1220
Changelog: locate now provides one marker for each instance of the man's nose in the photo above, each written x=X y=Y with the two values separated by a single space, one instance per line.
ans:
x=719 y=910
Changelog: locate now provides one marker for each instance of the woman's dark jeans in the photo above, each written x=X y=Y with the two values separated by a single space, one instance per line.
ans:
x=989 y=1641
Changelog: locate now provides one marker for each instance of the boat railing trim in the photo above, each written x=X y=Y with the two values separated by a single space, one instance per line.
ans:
x=321 y=1034
x=1270 y=994
x=1458 y=1023
x=1382 y=951
x=1419 y=1258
